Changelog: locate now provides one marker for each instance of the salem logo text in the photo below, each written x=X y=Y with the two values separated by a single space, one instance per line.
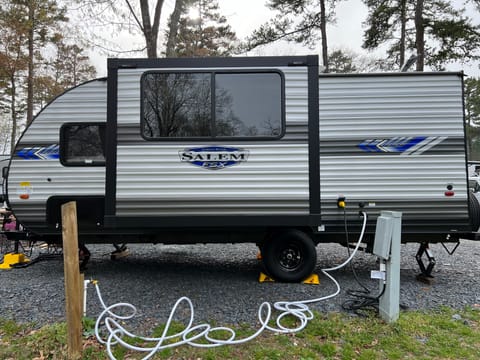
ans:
x=213 y=157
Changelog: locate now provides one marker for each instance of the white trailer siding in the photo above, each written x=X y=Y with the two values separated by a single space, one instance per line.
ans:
x=356 y=109
x=151 y=179
x=389 y=141
x=44 y=178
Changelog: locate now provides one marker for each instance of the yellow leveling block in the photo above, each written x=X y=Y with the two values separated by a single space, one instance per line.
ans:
x=312 y=279
x=11 y=259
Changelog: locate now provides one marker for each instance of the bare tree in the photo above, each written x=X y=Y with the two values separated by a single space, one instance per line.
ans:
x=142 y=16
x=148 y=28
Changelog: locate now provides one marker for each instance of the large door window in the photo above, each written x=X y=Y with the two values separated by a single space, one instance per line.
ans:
x=212 y=105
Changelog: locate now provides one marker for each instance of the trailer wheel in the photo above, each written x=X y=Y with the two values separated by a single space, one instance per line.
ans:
x=289 y=256
x=474 y=208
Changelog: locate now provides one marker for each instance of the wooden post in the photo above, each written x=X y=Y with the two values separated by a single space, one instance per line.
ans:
x=73 y=293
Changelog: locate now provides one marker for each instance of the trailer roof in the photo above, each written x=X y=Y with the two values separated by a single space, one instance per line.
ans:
x=308 y=60
x=411 y=73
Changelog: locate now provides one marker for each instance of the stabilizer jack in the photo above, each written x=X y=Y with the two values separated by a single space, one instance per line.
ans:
x=426 y=271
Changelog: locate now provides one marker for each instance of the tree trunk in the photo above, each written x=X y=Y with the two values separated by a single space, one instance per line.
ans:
x=173 y=28
x=403 y=19
x=74 y=65
x=31 y=20
x=156 y=21
x=13 y=110
x=323 y=30
x=150 y=37
x=420 y=35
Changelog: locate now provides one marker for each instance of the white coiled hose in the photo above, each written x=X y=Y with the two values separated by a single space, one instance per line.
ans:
x=116 y=333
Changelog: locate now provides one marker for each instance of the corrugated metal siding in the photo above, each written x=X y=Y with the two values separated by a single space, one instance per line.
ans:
x=85 y=103
x=358 y=108
x=151 y=180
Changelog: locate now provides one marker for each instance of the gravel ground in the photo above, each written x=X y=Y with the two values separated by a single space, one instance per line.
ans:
x=222 y=281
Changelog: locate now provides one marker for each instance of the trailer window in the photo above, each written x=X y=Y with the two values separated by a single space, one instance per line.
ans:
x=248 y=105
x=212 y=105
x=82 y=144
x=176 y=105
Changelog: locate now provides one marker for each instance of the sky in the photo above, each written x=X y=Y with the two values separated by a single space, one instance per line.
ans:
x=346 y=33
x=250 y=14
x=246 y=15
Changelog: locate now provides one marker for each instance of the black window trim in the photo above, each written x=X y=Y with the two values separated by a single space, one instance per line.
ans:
x=213 y=120
x=62 y=154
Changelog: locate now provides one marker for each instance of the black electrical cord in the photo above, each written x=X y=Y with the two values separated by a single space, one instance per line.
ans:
x=361 y=301
x=40 y=257
x=352 y=265
x=361 y=298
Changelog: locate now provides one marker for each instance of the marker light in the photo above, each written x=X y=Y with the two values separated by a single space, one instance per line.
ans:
x=449 y=191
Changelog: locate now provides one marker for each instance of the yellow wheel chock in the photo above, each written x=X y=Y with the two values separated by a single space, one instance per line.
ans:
x=311 y=280
x=12 y=259
x=264 y=278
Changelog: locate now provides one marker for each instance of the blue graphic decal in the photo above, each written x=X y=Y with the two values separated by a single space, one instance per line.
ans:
x=213 y=157
x=392 y=145
x=40 y=153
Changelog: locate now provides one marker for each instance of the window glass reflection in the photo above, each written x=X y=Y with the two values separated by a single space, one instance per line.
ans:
x=83 y=144
x=179 y=105
x=248 y=105
x=176 y=105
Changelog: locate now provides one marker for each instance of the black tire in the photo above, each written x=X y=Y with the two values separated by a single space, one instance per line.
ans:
x=474 y=209
x=289 y=256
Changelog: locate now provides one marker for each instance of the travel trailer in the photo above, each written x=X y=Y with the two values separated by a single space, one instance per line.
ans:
x=247 y=149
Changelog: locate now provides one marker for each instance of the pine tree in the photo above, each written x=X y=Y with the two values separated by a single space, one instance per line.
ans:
x=340 y=62
x=67 y=68
x=472 y=101
x=435 y=31
x=13 y=65
x=208 y=34
x=301 y=21
x=71 y=65
x=28 y=81
x=386 y=22
x=41 y=17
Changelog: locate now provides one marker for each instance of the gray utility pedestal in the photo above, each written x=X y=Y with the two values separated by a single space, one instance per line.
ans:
x=388 y=236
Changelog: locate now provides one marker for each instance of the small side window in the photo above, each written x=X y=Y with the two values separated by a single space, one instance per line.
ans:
x=82 y=144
